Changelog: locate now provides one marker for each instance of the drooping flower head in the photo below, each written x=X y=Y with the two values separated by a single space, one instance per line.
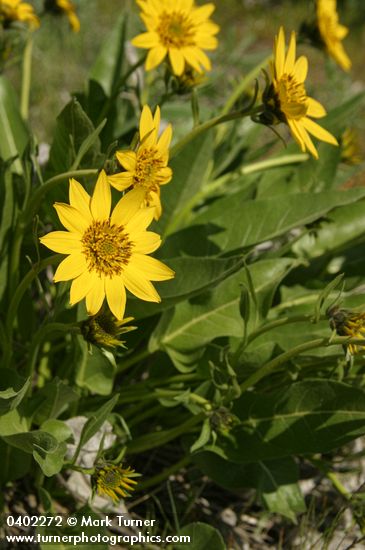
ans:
x=114 y=481
x=146 y=168
x=348 y=323
x=286 y=99
x=332 y=32
x=16 y=10
x=107 y=252
x=104 y=330
x=64 y=7
x=178 y=29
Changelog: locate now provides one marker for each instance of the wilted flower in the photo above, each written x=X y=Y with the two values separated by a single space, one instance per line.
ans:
x=332 y=32
x=348 y=323
x=146 y=168
x=286 y=99
x=177 y=29
x=64 y=7
x=114 y=481
x=104 y=330
x=16 y=10
x=107 y=252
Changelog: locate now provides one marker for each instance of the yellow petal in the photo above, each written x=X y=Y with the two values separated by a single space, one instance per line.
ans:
x=165 y=139
x=157 y=118
x=127 y=159
x=102 y=199
x=177 y=61
x=155 y=56
x=317 y=131
x=80 y=287
x=290 y=56
x=121 y=181
x=301 y=68
x=280 y=53
x=128 y=206
x=308 y=143
x=146 y=242
x=71 y=218
x=70 y=268
x=164 y=175
x=146 y=124
x=150 y=268
x=140 y=221
x=315 y=109
x=202 y=13
x=296 y=134
x=80 y=199
x=96 y=295
x=116 y=296
x=62 y=242
x=146 y=40
x=139 y=286
x=206 y=41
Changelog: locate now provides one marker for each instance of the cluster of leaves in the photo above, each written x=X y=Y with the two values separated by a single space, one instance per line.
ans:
x=239 y=346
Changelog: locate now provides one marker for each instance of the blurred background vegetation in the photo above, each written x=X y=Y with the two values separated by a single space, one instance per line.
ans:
x=62 y=59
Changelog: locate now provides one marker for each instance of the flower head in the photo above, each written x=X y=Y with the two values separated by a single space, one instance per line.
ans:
x=348 y=323
x=107 y=252
x=286 y=99
x=114 y=481
x=332 y=32
x=350 y=147
x=16 y=10
x=146 y=168
x=64 y=7
x=178 y=29
x=104 y=329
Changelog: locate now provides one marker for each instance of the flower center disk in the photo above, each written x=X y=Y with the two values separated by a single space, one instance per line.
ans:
x=147 y=167
x=107 y=248
x=175 y=30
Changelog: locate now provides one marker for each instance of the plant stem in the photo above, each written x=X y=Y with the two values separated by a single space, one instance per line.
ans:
x=197 y=130
x=26 y=77
x=274 y=162
x=159 y=478
x=284 y=357
x=133 y=360
x=278 y=323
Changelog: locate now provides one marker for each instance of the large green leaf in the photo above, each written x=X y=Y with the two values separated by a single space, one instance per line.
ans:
x=13 y=132
x=52 y=400
x=12 y=389
x=314 y=416
x=29 y=441
x=195 y=323
x=95 y=369
x=202 y=537
x=96 y=420
x=245 y=223
x=14 y=463
x=52 y=462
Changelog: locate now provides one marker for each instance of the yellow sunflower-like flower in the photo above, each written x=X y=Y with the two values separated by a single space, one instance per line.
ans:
x=287 y=100
x=146 y=168
x=107 y=252
x=348 y=323
x=64 y=7
x=16 y=10
x=332 y=32
x=178 y=29
x=114 y=481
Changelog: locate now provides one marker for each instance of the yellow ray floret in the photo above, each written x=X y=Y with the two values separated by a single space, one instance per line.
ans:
x=16 y=10
x=107 y=252
x=332 y=32
x=293 y=105
x=179 y=30
x=146 y=168
x=114 y=481
x=69 y=9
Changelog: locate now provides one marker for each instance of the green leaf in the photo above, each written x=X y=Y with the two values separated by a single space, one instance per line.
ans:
x=13 y=422
x=189 y=170
x=13 y=132
x=96 y=420
x=38 y=440
x=8 y=210
x=54 y=399
x=51 y=463
x=202 y=537
x=14 y=463
x=203 y=437
x=73 y=128
x=313 y=416
x=95 y=371
x=12 y=389
x=193 y=276
x=195 y=323
x=248 y=223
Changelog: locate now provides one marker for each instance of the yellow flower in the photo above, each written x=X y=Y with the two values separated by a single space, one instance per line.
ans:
x=332 y=32
x=107 y=251
x=350 y=147
x=114 y=481
x=348 y=323
x=59 y=7
x=146 y=168
x=15 y=10
x=178 y=29
x=103 y=330
x=288 y=99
